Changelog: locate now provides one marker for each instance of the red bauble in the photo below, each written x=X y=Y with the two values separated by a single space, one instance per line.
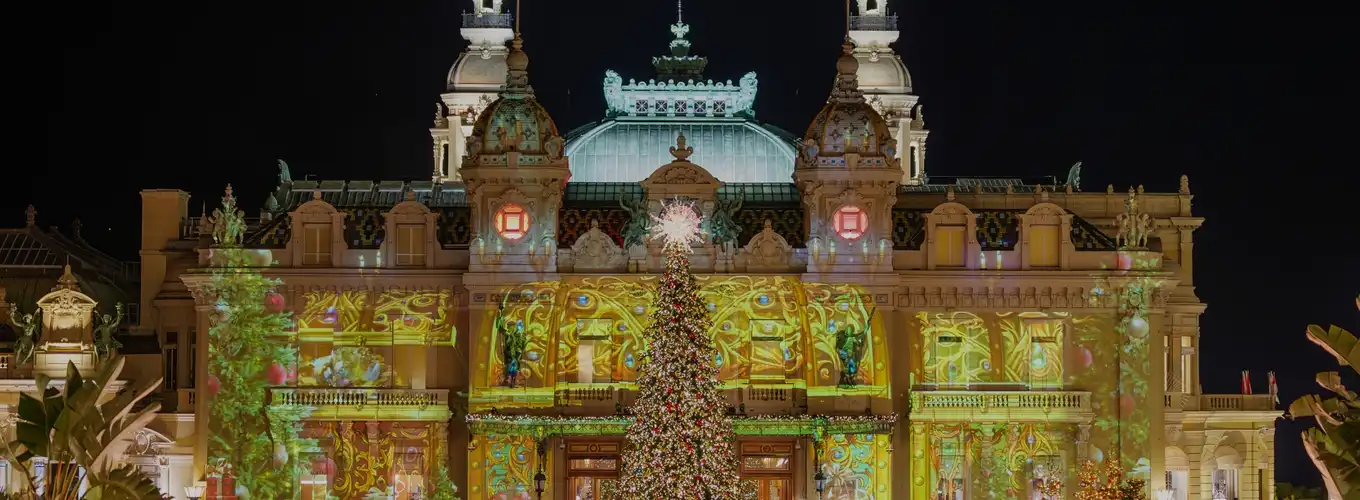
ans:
x=276 y=374
x=274 y=302
x=214 y=385
x=1126 y=404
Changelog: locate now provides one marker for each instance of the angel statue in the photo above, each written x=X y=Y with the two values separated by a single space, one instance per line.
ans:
x=1074 y=176
x=635 y=230
x=515 y=343
x=28 y=334
x=721 y=226
x=850 y=348
x=104 y=343
x=228 y=222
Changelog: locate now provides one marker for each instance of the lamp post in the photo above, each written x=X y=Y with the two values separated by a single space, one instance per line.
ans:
x=820 y=480
x=195 y=491
x=540 y=482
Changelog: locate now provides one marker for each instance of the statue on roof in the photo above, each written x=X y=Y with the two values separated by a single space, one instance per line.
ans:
x=639 y=223
x=1074 y=176
x=1134 y=225
x=28 y=324
x=104 y=343
x=229 y=222
x=722 y=226
x=285 y=177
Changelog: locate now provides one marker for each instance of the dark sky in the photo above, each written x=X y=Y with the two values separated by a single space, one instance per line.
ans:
x=1254 y=100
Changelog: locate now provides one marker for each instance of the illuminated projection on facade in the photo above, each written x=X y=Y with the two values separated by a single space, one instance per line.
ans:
x=878 y=333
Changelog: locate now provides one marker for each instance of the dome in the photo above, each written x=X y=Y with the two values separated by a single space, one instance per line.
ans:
x=515 y=121
x=473 y=72
x=519 y=120
x=882 y=74
x=629 y=150
x=847 y=122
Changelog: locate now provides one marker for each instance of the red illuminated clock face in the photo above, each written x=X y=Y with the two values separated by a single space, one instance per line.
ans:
x=850 y=222
x=512 y=222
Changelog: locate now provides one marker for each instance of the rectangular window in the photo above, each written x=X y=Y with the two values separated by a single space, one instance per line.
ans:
x=594 y=352
x=1043 y=245
x=171 y=354
x=193 y=355
x=1046 y=351
x=1187 y=352
x=949 y=245
x=1225 y=484
x=951 y=475
x=316 y=244
x=767 y=350
x=411 y=245
x=913 y=159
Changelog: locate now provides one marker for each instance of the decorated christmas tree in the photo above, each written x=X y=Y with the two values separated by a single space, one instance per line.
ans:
x=680 y=445
x=250 y=450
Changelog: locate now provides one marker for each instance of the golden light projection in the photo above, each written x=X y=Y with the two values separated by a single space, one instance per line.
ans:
x=956 y=349
x=1034 y=348
x=503 y=466
x=405 y=316
x=354 y=460
x=856 y=466
x=762 y=328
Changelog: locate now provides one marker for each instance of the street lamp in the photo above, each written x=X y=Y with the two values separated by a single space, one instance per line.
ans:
x=820 y=480
x=195 y=491
x=540 y=482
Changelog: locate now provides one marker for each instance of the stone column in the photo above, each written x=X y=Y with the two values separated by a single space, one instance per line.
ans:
x=920 y=469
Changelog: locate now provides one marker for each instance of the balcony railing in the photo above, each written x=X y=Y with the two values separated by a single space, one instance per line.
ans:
x=1019 y=405
x=360 y=397
x=873 y=23
x=471 y=20
x=1219 y=402
x=186 y=401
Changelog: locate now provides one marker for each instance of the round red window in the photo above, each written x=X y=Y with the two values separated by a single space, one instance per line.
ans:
x=512 y=222
x=850 y=222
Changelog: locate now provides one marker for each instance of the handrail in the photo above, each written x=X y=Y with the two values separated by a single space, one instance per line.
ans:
x=922 y=400
x=873 y=23
x=359 y=397
x=471 y=20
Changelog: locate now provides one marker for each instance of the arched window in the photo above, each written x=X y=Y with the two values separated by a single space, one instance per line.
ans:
x=850 y=222
x=512 y=222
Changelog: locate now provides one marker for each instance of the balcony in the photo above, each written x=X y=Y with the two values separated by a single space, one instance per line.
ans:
x=471 y=20
x=1219 y=402
x=873 y=23
x=1069 y=407
x=358 y=404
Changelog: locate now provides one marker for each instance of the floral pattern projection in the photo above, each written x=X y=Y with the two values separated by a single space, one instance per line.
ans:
x=358 y=460
x=503 y=467
x=762 y=326
x=1034 y=351
x=349 y=339
x=856 y=466
x=994 y=460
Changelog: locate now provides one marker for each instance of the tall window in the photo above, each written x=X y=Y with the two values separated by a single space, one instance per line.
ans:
x=171 y=355
x=1225 y=484
x=594 y=354
x=1187 y=352
x=950 y=477
x=316 y=244
x=912 y=160
x=949 y=247
x=850 y=222
x=1043 y=245
x=411 y=245
x=592 y=469
x=193 y=355
x=767 y=350
x=1046 y=351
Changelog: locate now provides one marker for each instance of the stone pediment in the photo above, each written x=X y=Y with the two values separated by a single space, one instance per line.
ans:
x=594 y=251
x=66 y=311
x=766 y=252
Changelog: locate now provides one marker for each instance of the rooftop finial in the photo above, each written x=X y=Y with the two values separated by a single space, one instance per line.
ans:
x=680 y=11
x=518 y=13
x=847 y=21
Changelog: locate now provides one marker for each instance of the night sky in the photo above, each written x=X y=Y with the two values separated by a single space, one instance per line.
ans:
x=1253 y=100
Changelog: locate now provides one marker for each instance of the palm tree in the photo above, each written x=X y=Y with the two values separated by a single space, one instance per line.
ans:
x=81 y=438
x=1333 y=444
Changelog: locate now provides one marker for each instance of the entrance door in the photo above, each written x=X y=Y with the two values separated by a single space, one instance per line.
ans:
x=769 y=464
x=592 y=469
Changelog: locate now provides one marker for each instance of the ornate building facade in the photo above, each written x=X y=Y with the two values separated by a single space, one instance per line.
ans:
x=904 y=338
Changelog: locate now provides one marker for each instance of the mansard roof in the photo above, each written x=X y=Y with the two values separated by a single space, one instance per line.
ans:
x=31 y=261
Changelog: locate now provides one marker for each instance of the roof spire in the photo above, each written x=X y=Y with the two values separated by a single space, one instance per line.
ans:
x=517 y=78
x=680 y=11
x=679 y=46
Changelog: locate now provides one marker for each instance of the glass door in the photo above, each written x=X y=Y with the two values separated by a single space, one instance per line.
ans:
x=769 y=465
x=773 y=488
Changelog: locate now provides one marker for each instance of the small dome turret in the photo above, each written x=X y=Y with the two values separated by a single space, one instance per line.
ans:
x=848 y=123
x=515 y=121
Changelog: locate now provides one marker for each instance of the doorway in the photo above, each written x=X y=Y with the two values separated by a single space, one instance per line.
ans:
x=592 y=469
x=769 y=464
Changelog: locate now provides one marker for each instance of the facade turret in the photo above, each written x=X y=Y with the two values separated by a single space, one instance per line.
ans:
x=887 y=85
x=472 y=83
x=514 y=171
x=848 y=172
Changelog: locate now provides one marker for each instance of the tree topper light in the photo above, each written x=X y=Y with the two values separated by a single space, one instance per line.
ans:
x=678 y=224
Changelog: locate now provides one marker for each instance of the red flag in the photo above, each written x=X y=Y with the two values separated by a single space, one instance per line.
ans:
x=1274 y=388
x=1246 y=382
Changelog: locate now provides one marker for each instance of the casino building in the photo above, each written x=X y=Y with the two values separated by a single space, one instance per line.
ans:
x=906 y=336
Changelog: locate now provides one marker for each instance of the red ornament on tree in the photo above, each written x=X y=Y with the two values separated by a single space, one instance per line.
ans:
x=214 y=385
x=276 y=374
